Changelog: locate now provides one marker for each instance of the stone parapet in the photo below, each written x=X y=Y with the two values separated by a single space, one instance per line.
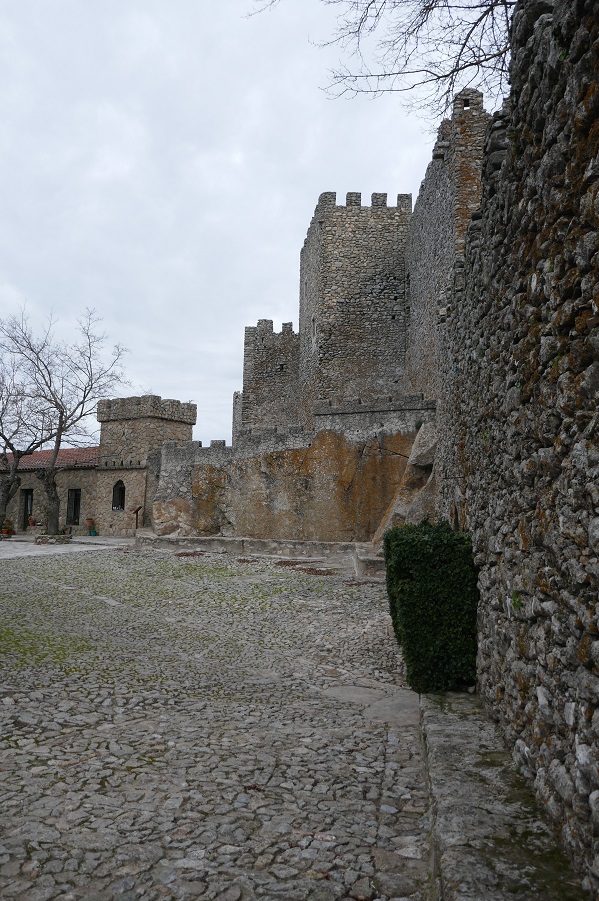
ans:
x=149 y=406
x=360 y=418
x=327 y=201
x=382 y=403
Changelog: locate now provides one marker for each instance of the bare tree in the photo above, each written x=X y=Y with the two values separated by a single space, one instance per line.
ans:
x=19 y=435
x=48 y=390
x=436 y=47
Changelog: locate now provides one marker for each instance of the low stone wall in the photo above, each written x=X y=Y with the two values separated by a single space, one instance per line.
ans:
x=53 y=539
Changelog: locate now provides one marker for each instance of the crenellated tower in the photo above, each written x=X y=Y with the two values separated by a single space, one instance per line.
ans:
x=352 y=301
x=270 y=379
x=133 y=428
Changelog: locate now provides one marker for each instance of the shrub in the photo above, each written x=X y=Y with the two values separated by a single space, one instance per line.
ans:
x=433 y=596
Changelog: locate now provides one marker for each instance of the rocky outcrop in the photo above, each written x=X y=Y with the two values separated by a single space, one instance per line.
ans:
x=334 y=489
x=416 y=495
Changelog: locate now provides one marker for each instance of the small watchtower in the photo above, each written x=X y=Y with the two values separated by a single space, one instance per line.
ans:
x=134 y=428
x=132 y=432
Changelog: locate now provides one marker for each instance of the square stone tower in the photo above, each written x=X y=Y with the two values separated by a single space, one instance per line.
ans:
x=133 y=428
x=352 y=320
x=132 y=432
x=270 y=379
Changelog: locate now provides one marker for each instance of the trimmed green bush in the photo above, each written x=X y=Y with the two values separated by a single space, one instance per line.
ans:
x=433 y=596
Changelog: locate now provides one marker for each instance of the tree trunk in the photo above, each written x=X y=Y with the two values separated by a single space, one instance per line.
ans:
x=8 y=488
x=52 y=500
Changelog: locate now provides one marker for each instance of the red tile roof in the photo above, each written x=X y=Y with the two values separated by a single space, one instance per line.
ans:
x=68 y=458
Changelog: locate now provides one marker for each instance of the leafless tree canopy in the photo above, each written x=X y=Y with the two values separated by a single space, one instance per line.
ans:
x=435 y=46
x=48 y=390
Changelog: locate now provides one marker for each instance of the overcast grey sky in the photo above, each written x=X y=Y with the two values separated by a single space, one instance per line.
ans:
x=160 y=161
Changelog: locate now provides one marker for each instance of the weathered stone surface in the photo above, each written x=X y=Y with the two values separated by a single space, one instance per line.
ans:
x=490 y=839
x=416 y=496
x=425 y=443
x=337 y=489
x=234 y=729
x=518 y=453
x=204 y=738
x=448 y=196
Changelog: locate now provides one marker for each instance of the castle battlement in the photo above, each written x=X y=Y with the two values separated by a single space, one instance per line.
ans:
x=353 y=199
x=150 y=406
x=265 y=327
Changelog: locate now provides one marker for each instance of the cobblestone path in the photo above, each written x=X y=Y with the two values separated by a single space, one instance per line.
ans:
x=195 y=726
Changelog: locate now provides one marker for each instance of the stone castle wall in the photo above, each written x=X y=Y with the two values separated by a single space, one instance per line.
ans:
x=448 y=196
x=355 y=417
x=352 y=300
x=518 y=460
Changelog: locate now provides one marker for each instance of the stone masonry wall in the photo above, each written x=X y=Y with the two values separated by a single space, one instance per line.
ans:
x=82 y=478
x=518 y=414
x=96 y=499
x=334 y=489
x=357 y=418
x=447 y=198
x=270 y=378
x=352 y=303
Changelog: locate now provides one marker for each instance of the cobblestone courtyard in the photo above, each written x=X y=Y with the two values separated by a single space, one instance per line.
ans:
x=200 y=726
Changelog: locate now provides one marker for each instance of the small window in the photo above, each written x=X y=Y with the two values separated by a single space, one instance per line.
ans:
x=73 y=506
x=118 y=496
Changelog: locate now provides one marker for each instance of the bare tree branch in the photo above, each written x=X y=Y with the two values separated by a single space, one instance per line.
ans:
x=431 y=47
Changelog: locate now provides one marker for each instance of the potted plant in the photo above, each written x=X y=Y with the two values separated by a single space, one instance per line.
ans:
x=31 y=520
x=7 y=528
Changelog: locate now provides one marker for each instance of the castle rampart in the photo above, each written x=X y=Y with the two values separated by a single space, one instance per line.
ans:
x=518 y=456
x=356 y=417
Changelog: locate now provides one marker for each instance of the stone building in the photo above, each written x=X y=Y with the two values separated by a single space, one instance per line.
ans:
x=113 y=484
